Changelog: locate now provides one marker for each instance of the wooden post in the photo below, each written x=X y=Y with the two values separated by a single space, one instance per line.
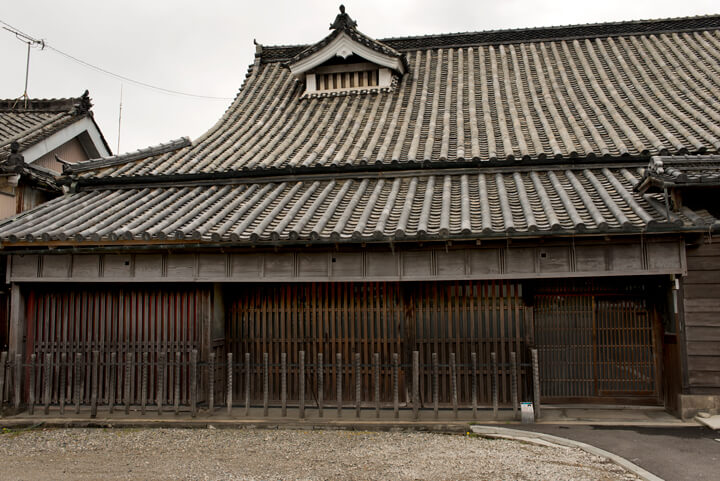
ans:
x=416 y=384
x=78 y=381
x=536 y=382
x=113 y=373
x=473 y=373
x=211 y=383
x=47 y=382
x=229 y=382
x=144 y=380
x=94 y=383
x=283 y=383
x=396 y=384
x=248 y=374
x=31 y=390
x=162 y=366
x=338 y=377
x=514 y=385
x=128 y=374
x=376 y=373
x=321 y=384
x=193 y=382
x=435 y=387
x=61 y=387
x=266 y=383
x=301 y=383
x=453 y=384
x=17 y=391
x=493 y=361
x=3 y=365
x=176 y=381
x=358 y=386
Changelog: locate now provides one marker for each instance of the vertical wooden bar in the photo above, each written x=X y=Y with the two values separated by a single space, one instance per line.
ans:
x=453 y=384
x=493 y=361
x=473 y=382
x=62 y=388
x=248 y=380
x=160 y=391
x=266 y=382
x=229 y=382
x=78 y=381
x=536 y=382
x=321 y=384
x=514 y=385
x=111 y=390
x=47 y=382
x=17 y=391
x=211 y=383
x=144 y=381
x=376 y=373
x=283 y=383
x=31 y=390
x=395 y=381
x=338 y=380
x=301 y=383
x=435 y=387
x=94 y=383
x=358 y=388
x=416 y=384
x=193 y=382
x=3 y=378
x=176 y=387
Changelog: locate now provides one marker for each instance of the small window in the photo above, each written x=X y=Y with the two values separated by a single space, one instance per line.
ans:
x=347 y=77
x=347 y=80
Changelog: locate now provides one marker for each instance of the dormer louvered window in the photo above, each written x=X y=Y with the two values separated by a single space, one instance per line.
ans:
x=346 y=77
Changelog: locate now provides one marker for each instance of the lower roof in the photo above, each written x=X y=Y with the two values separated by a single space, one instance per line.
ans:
x=457 y=204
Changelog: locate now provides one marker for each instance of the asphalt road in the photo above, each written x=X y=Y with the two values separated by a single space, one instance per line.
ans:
x=674 y=454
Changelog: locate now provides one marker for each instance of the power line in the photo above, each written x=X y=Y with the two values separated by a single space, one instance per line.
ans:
x=18 y=32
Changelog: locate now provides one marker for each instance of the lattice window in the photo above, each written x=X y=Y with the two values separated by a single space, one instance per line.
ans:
x=347 y=80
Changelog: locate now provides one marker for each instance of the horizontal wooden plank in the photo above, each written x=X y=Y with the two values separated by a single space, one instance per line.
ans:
x=704 y=250
x=704 y=363
x=702 y=333
x=703 y=348
x=703 y=319
x=702 y=305
x=704 y=378
x=703 y=263
x=702 y=277
x=702 y=291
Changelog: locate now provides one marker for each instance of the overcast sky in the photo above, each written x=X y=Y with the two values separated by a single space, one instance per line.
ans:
x=204 y=47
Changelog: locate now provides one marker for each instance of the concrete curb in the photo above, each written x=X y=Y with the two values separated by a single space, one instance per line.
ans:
x=518 y=435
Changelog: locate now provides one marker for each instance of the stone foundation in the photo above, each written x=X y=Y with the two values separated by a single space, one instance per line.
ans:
x=691 y=404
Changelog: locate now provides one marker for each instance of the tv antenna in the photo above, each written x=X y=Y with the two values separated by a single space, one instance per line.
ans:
x=31 y=42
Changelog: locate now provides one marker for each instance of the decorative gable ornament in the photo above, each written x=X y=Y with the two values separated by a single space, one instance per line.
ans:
x=366 y=63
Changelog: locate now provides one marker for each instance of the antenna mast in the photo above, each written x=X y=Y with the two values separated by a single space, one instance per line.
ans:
x=31 y=42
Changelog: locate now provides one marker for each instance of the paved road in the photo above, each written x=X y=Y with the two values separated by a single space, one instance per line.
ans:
x=674 y=454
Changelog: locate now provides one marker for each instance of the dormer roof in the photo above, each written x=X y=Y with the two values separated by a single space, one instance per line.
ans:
x=344 y=41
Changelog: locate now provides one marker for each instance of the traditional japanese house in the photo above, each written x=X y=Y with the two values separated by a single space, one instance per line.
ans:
x=33 y=134
x=464 y=196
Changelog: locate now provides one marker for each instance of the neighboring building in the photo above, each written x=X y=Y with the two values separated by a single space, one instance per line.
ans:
x=33 y=134
x=464 y=193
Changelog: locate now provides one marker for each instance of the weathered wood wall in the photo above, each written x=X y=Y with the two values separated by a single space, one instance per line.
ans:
x=701 y=300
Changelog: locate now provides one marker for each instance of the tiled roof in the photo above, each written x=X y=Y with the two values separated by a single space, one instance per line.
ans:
x=104 y=162
x=566 y=99
x=664 y=171
x=445 y=204
x=30 y=121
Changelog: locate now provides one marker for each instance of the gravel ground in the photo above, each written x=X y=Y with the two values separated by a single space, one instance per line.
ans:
x=219 y=454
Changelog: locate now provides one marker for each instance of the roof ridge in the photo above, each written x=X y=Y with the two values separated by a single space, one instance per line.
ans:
x=512 y=35
x=103 y=162
x=81 y=104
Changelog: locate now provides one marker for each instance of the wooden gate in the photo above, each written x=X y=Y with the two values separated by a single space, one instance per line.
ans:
x=458 y=318
x=596 y=346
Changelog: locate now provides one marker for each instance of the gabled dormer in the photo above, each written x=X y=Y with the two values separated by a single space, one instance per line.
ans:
x=347 y=61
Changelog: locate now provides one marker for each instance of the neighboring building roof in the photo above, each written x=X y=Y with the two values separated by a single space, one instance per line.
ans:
x=440 y=205
x=31 y=121
x=681 y=171
x=572 y=97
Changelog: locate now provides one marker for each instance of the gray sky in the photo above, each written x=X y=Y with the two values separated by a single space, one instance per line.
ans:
x=204 y=47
